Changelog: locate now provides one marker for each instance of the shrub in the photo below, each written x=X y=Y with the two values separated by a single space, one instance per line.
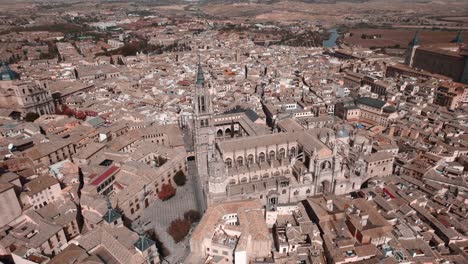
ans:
x=192 y=216
x=179 y=229
x=180 y=178
x=31 y=116
x=167 y=191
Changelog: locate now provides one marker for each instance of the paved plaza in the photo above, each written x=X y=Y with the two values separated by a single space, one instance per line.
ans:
x=159 y=216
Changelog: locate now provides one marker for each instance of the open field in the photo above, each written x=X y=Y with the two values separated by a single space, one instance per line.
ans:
x=401 y=37
x=330 y=13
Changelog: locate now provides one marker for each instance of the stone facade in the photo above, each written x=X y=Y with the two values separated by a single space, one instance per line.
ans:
x=237 y=162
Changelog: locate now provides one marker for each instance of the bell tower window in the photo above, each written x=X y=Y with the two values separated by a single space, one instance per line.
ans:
x=203 y=105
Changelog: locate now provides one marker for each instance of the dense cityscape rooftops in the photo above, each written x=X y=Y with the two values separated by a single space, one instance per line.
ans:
x=233 y=132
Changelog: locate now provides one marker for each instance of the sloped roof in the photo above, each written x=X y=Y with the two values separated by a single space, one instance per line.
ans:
x=376 y=103
x=111 y=215
x=143 y=243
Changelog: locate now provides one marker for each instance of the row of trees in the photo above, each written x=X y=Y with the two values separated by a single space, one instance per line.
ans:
x=31 y=116
x=142 y=46
x=178 y=230
x=180 y=227
x=168 y=191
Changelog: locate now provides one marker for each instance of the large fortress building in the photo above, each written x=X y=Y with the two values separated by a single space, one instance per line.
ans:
x=448 y=59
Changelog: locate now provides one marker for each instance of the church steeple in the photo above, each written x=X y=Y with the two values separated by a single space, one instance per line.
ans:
x=200 y=75
x=202 y=95
x=204 y=131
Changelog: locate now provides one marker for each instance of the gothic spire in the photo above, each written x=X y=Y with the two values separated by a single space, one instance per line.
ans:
x=200 y=75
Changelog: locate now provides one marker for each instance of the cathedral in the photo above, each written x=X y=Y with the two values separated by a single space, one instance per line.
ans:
x=237 y=159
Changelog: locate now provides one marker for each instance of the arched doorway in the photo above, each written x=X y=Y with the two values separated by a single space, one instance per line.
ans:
x=366 y=183
x=271 y=155
x=240 y=161
x=261 y=157
x=282 y=153
x=250 y=159
x=292 y=151
x=325 y=187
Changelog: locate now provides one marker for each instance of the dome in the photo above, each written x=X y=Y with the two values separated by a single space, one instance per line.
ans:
x=7 y=74
x=342 y=132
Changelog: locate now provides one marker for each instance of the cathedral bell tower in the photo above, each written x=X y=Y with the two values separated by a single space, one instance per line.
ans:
x=204 y=134
x=203 y=108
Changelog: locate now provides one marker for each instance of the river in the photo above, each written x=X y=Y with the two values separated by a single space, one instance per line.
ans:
x=331 y=41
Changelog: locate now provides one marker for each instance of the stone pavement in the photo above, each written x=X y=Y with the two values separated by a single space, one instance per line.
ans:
x=161 y=214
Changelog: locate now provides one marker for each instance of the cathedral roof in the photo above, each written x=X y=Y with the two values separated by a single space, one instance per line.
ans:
x=376 y=103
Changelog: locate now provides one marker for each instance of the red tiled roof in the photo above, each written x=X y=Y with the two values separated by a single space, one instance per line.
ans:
x=184 y=83
x=112 y=170
x=389 y=193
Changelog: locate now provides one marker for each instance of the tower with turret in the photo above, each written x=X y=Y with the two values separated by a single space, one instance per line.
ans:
x=458 y=38
x=112 y=217
x=410 y=50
